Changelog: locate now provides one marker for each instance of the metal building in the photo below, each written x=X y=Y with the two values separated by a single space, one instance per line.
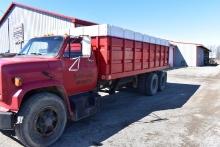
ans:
x=21 y=22
x=188 y=54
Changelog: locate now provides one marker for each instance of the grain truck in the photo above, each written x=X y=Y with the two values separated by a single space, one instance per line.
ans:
x=56 y=77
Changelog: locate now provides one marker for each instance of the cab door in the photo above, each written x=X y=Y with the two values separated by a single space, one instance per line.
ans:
x=80 y=73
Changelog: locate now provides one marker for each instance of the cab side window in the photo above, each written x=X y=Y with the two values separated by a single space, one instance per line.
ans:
x=73 y=49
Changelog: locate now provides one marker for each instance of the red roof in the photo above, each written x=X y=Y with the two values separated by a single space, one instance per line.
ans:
x=72 y=19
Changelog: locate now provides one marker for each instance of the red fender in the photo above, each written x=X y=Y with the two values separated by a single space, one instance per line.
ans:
x=19 y=95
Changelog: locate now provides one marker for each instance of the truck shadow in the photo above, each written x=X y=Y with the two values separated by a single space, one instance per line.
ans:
x=121 y=110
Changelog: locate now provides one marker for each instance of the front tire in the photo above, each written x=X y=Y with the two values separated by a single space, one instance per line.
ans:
x=44 y=118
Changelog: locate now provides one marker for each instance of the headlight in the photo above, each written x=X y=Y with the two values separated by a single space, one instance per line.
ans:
x=18 y=81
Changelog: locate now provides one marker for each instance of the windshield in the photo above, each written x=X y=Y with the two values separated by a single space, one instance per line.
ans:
x=44 y=46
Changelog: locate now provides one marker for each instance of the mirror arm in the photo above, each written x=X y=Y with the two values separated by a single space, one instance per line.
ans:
x=69 y=48
x=91 y=57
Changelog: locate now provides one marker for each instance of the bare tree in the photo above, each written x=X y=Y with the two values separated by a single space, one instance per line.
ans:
x=215 y=51
x=218 y=52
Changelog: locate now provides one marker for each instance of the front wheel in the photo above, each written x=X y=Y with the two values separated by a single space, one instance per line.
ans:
x=41 y=120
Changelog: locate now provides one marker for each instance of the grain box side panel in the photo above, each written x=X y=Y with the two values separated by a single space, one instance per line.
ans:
x=116 y=54
x=146 y=55
x=152 y=55
x=166 y=56
x=118 y=57
x=101 y=51
x=157 y=58
x=138 y=55
x=128 y=55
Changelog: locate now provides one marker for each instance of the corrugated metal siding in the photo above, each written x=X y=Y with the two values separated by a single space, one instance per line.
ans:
x=4 y=43
x=35 y=24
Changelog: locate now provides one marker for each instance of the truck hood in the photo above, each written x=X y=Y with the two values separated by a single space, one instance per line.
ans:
x=30 y=69
x=24 y=59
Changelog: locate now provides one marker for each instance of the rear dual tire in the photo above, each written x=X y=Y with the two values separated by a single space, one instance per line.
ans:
x=150 y=84
x=162 y=80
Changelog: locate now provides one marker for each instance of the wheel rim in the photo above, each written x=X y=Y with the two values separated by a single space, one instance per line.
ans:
x=46 y=122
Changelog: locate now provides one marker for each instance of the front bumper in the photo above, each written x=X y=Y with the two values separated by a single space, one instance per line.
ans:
x=6 y=120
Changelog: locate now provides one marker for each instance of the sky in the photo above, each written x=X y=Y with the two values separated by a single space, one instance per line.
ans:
x=194 y=21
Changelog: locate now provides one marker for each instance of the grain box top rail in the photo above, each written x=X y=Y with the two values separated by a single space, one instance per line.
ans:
x=110 y=30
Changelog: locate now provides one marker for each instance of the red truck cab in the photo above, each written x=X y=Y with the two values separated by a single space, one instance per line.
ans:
x=61 y=65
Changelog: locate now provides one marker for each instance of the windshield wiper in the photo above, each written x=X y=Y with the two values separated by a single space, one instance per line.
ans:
x=19 y=54
x=36 y=54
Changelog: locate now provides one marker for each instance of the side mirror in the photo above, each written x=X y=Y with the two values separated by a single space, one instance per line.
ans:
x=86 y=46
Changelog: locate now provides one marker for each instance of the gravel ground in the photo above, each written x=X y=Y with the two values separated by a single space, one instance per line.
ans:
x=187 y=113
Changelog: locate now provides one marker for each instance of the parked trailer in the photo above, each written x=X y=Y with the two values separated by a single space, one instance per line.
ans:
x=55 y=78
